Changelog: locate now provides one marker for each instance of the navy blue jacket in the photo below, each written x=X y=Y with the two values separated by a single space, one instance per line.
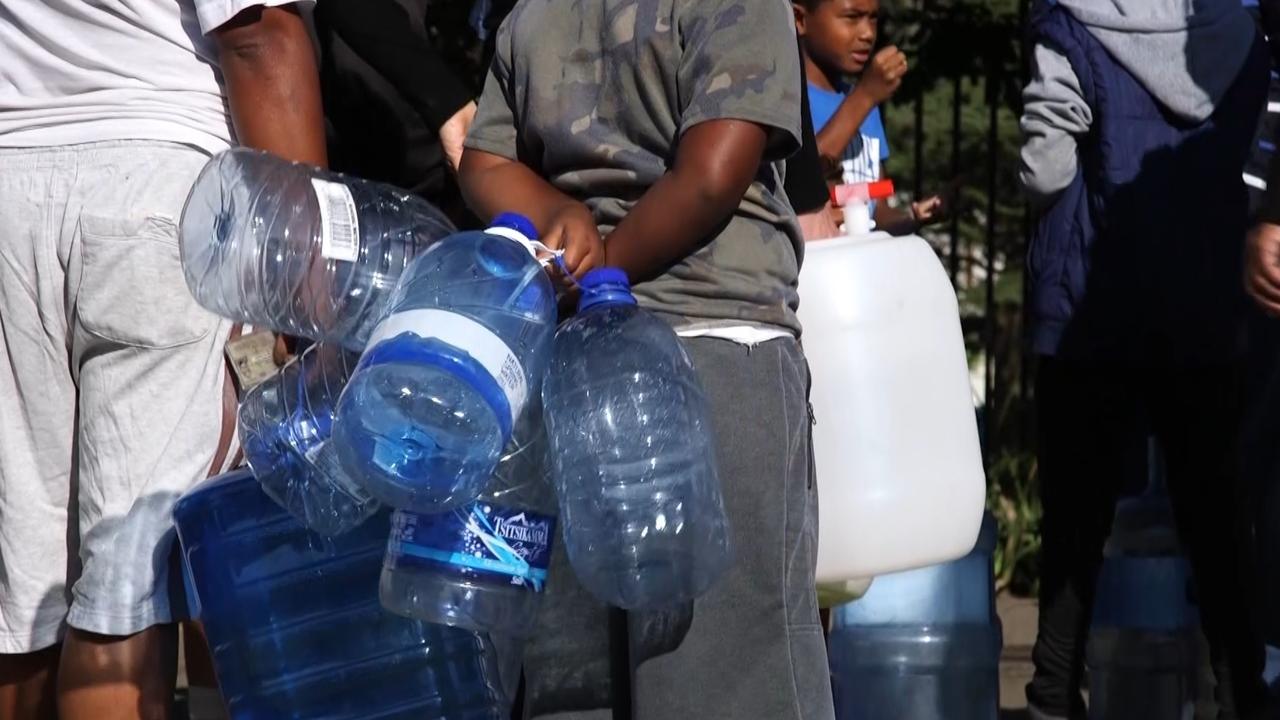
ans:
x=1138 y=261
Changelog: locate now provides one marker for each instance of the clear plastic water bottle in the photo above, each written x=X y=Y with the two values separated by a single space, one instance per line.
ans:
x=632 y=454
x=296 y=628
x=285 y=425
x=297 y=249
x=482 y=566
x=446 y=374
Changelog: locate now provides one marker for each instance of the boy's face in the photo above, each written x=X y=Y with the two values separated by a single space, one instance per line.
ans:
x=839 y=35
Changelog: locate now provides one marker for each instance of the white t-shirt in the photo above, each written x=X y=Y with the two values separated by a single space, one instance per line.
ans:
x=77 y=71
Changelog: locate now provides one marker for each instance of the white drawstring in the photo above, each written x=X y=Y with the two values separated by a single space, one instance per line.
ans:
x=543 y=254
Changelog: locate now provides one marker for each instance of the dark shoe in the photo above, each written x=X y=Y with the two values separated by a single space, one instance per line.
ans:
x=1036 y=711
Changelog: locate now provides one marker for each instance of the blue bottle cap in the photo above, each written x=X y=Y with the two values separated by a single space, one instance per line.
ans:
x=605 y=276
x=517 y=222
x=605 y=286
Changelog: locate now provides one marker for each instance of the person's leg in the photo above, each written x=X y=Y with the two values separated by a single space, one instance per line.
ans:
x=150 y=372
x=1261 y=457
x=1197 y=416
x=752 y=647
x=115 y=678
x=37 y=424
x=26 y=684
x=204 y=701
x=1090 y=446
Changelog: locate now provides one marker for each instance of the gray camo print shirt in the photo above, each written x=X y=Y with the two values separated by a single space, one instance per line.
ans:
x=595 y=94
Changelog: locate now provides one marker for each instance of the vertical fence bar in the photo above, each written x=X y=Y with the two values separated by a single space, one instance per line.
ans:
x=918 y=138
x=989 y=253
x=957 y=99
x=918 y=190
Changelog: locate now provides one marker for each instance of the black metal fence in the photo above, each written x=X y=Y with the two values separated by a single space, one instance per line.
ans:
x=955 y=123
x=956 y=120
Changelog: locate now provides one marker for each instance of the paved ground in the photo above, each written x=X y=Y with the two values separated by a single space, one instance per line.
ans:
x=1018 y=616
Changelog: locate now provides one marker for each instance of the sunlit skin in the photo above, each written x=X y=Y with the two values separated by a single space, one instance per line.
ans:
x=840 y=36
x=839 y=41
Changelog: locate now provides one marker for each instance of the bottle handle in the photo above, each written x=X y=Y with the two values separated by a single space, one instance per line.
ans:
x=540 y=252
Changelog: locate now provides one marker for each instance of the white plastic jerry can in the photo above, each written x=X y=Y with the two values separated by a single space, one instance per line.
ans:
x=898 y=463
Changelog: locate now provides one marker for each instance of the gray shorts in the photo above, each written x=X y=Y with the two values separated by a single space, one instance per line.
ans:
x=752 y=648
x=111 y=382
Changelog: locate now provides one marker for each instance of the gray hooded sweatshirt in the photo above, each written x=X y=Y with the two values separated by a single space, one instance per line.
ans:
x=1186 y=53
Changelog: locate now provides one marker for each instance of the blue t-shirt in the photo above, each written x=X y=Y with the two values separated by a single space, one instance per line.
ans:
x=823 y=104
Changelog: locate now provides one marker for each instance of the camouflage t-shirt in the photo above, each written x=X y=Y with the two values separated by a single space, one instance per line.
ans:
x=594 y=96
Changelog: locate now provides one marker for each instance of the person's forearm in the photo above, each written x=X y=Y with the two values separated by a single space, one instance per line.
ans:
x=272 y=83
x=843 y=126
x=716 y=164
x=895 y=221
x=492 y=185
x=668 y=224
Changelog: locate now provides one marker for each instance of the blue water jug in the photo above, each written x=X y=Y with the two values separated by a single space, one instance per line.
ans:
x=446 y=375
x=922 y=644
x=285 y=424
x=1142 y=652
x=632 y=454
x=296 y=627
x=482 y=566
x=299 y=249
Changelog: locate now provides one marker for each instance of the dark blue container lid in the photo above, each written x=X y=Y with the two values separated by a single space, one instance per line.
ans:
x=605 y=286
x=517 y=222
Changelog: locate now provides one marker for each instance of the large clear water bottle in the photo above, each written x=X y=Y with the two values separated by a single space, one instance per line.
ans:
x=482 y=566
x=1143 y=649
x=632 y=454
x=446 y=374
x=296 y=628
x=298 y=249
x=922 y=644
x=285 y=425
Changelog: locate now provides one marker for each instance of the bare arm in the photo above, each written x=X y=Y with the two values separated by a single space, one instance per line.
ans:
x=493 y=184
x=273 y=90
x=880 y=80
x=894 y=220
x=716 y=161
x=840 y=130
x=272 y=84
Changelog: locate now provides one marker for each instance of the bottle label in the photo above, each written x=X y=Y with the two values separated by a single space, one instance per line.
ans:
x=339 y=226
x=513 y=546
x=460 y=331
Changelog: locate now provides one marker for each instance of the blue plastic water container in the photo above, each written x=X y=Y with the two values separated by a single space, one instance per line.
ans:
x=922 y=644
x=1143 y=648
x=296 y=628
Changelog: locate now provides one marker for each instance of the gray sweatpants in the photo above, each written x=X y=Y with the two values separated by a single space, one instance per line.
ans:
x=750 y=649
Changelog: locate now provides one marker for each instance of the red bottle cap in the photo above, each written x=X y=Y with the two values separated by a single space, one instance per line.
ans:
x=878 y=190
